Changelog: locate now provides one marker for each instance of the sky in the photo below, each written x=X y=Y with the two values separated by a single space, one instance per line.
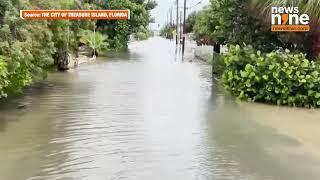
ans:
x=160 y=12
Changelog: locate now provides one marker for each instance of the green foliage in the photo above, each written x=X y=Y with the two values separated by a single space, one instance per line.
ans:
x=3 y=77
x=311 y=7
x=234 y=22
x=151 y=4
x=190 y=22
x=120 y=31
x=93 y=40
x=28 y=48
x=303 y=42
x=217 y=22
x=281 y=78
x=167 y=31
x=66 y=34
x=269 y=75
x=202 y=29
x=142 y=34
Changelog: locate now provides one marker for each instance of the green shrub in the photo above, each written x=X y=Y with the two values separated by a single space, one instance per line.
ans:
x=140 y=36
x=95 y=41
x=167 y=31
x=281 y=78
x=4 y=82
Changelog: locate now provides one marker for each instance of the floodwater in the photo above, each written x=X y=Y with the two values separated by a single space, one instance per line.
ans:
x=149 y=114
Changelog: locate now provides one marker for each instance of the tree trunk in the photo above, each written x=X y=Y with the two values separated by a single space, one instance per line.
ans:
x=64 y=62
x=216 y=50
x=94 y=52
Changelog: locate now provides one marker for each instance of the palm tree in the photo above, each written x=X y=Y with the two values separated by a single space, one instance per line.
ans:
x=94 y=40
x=310 y=7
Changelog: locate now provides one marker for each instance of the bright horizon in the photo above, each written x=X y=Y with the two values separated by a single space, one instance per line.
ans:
x=160 y=12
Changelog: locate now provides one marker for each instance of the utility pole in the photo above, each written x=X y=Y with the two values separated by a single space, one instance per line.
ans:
x=167 y=18
x=177 y=22
x=180 y=25
x=184 y=25
x=171 y=9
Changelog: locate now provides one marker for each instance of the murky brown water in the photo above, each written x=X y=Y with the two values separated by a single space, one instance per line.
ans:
x=149 y=115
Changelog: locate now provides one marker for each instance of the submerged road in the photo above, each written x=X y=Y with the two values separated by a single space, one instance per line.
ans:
x=147 y=114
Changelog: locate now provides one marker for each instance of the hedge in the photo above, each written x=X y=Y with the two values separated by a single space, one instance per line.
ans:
x=282 y=78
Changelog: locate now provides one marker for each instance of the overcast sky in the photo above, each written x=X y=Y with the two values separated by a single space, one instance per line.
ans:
x=160 y=13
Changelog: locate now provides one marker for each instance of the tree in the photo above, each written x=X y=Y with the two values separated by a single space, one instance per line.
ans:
x=25 y=47
x=120 y=31
x=28 y=48
x=167 y=31
x=202 y=32
x=190 y=22
x=234 y=22
x=95 y=41
x=151 y=4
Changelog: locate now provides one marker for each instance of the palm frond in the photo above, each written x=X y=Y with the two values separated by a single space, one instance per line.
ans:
x=310 y=7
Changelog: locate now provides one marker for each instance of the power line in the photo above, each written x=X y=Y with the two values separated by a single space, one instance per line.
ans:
x=198 y=3
x=190 y=7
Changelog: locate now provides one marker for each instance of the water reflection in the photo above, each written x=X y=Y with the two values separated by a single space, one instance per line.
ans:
x=147 y=114
x=242 y=148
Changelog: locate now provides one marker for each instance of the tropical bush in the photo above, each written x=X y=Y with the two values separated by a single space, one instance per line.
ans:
x=272 y=74
x=237 y=22
x=95 y=41
x=120 y=31
x=29 y=48
x=281 y=78
x=190 y=21
x=142 y=34
x=3 y=77
x=167 y=31
x=202 y=30
x=26 y=50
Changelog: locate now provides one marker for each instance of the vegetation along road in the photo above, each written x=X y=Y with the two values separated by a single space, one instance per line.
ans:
x=142 y=110
x=147 y=114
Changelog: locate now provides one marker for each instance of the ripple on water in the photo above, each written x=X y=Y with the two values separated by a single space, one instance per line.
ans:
x=146 y=114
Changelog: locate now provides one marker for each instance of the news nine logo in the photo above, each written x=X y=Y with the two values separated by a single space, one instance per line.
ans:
x=289 y=19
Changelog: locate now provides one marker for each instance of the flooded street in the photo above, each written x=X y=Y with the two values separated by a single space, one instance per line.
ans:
x=149 y=114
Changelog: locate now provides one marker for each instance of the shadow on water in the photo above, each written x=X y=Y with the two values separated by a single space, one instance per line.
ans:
x=17 y=105
x=120 y=55
x=250 y=150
